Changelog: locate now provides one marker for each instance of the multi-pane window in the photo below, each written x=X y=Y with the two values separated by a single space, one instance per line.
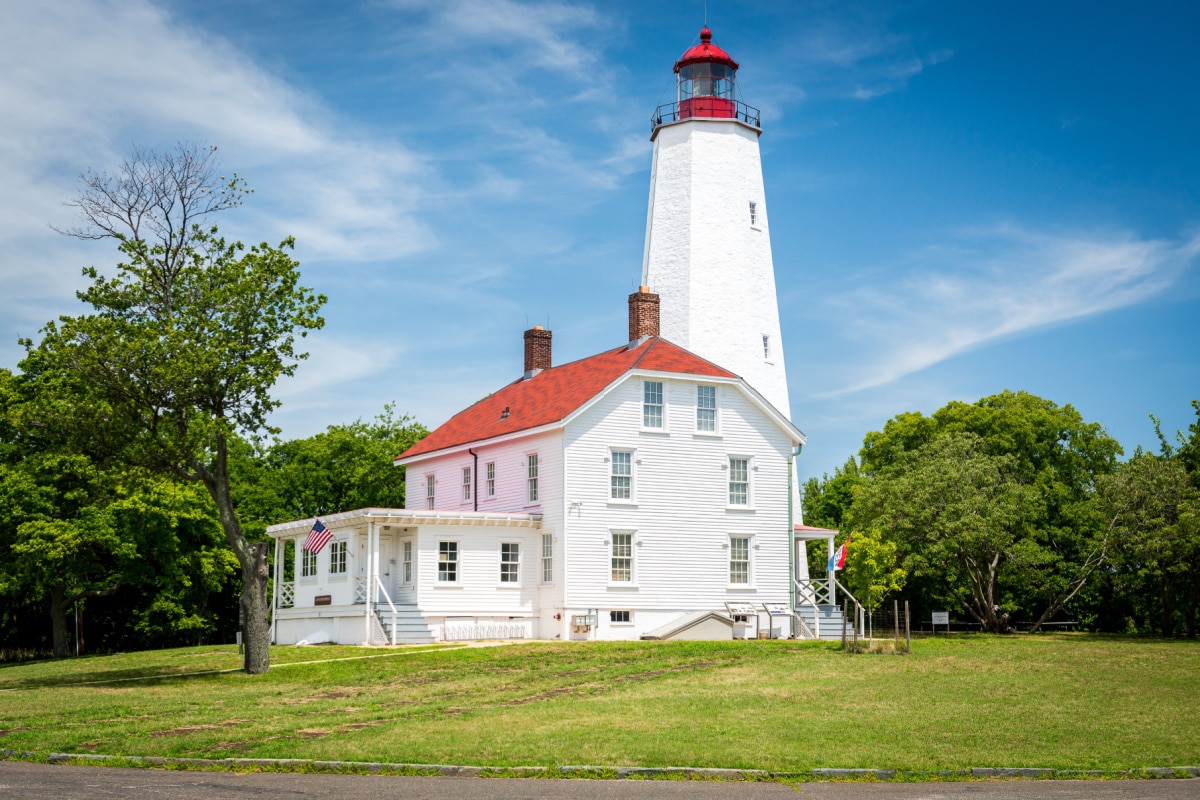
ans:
x=547 y=558
x=337 y=558
x=408 y=561
x=622 y=557
x=753 y=213
x=619 y=616
x=429 y=483
x=531 y=477
x=491 y=478
x=766 y=346
x=308 y=564
x=739 y=559
x=510 y=562
x=739 y=481
x=622 y=475
x=652 y=404
x=448 y=562
x=466 y=483
x=706 y=408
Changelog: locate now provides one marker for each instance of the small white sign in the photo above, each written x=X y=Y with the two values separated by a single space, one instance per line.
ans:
x=941 y=617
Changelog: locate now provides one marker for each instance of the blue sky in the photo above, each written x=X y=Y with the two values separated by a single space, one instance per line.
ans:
x=965 y=197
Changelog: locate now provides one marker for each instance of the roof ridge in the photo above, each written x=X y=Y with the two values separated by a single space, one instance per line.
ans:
x=649 y=346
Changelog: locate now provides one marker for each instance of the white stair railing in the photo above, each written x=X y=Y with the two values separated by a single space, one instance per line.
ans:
x=379 y=586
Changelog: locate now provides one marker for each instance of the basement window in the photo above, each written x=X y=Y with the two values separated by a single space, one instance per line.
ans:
x=622 y=617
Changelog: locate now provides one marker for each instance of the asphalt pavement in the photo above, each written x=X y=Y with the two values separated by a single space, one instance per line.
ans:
x=25 y=781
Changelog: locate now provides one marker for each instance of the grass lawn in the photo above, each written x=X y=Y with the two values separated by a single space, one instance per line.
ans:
x=1066 y=701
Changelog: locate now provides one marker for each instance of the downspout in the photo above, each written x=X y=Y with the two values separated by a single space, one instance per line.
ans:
x=792 y=527
x=475 y=477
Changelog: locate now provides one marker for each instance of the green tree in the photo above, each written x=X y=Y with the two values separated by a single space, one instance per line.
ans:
x=826 y=503
x=957 y=512
x=1051 y=450
x=1154 y=512
x=179 y=354
x=342 y=468
x=872 y=568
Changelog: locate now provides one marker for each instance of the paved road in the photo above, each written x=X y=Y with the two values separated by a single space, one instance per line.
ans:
x=22 y=781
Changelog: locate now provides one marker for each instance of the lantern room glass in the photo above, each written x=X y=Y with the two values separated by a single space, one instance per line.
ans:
x=706 y=79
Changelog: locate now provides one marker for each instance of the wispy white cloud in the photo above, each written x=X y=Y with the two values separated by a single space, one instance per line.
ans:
x=991 y=284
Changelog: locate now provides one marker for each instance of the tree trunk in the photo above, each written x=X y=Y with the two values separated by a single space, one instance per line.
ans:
x=256 y=634
x=58 y=619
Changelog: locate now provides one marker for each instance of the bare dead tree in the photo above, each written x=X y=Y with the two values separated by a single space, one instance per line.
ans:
x=157 y=199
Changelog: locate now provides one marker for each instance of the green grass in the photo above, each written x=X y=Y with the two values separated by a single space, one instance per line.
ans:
x=1064 y=701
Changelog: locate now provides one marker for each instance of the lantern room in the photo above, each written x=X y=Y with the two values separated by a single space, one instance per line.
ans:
x=706 y=87
x=707 y=77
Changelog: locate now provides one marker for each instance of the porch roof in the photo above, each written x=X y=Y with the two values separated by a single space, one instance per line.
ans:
x=811 y=533
x=405 y=516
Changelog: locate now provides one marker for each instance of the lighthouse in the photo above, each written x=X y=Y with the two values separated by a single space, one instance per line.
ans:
x=708 y=236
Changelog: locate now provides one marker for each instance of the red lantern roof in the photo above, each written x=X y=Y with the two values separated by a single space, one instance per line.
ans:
x=705 y=52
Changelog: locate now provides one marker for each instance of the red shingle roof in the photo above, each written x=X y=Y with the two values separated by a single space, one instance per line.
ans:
x=553 y=394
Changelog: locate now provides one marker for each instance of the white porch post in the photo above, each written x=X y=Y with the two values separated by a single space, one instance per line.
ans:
x=370 y=587
x=275 y=595
x=829 y=555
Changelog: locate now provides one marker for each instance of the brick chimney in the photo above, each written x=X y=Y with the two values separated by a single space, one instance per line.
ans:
x=643 y=314
x=537 y=350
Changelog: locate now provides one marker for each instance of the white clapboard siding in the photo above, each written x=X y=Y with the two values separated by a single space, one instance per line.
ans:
x=679 y=512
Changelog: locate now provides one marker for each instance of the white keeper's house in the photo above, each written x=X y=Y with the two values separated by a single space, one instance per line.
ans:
x=644 y=492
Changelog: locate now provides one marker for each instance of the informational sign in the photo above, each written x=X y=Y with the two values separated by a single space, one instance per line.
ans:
x=323 y=600
x=941 y=617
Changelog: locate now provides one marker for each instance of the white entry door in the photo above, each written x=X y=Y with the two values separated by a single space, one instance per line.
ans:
x=406 y=570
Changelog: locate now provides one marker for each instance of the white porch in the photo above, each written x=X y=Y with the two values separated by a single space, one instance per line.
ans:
x=821 y=606
x=382 y=580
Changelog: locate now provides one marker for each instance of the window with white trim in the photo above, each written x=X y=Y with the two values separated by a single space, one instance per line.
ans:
x=466 y=483
x=547 y=558
x=621 y=616
x=531 y=477
x=706 y=409
x=652 y=404
x=308 y=563
x=407 y=563
x=739 y=560
x=739 y=481
x=622 y=558
x=491 y=478
x=753 y=213
x=447 y=562
x=510 y=562
x=337 y=558
x=767 y=346
x=621 y=475
x=429 y=484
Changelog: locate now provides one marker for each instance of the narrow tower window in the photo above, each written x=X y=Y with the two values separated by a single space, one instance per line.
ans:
x=767 y=346
x=753 y=213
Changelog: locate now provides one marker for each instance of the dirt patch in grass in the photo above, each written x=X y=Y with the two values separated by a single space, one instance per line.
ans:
x=184 y=730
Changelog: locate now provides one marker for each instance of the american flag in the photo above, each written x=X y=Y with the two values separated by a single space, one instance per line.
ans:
x=318 y=537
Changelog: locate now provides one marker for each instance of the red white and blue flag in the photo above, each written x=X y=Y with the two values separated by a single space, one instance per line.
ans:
x=318 y=537
x=838 y=559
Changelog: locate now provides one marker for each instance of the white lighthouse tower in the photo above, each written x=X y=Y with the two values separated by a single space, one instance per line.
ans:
x=708 y=238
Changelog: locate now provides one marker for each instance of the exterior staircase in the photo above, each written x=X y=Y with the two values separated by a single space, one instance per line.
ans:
x=411 y=627
x=830 y=617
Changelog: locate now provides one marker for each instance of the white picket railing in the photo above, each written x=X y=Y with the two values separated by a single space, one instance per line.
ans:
x=287 y=595
x=379 y=586
x=360 y=589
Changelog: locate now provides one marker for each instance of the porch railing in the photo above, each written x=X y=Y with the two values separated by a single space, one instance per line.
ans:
x=824 y=592
x=360 y=589
x=388 y=599
x=287 y=594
